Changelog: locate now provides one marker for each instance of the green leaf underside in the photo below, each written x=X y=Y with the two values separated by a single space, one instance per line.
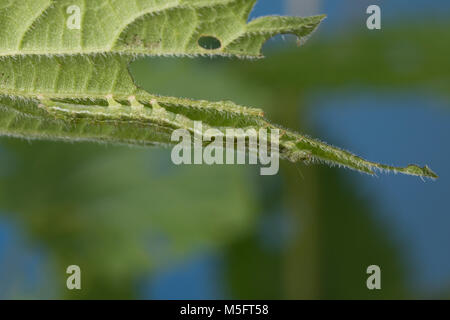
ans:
x=62 y=84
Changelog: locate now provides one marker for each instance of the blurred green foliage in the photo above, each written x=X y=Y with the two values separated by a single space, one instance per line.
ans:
x=122 y=213
x=119 y=212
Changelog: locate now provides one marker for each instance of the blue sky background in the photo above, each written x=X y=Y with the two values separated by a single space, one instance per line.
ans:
x=416 y=211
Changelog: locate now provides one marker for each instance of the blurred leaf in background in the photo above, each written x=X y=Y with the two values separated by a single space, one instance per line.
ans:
x=119 y=212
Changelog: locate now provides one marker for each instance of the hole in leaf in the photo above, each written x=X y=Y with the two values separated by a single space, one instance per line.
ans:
x=209 y=43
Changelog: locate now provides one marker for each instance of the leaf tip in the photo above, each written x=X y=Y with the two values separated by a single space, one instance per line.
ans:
x=425 y=171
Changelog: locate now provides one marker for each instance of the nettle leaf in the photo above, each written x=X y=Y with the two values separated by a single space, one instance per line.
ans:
x=61 y=81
